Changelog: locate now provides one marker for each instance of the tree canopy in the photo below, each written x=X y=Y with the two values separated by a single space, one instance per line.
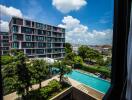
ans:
x=68 y=47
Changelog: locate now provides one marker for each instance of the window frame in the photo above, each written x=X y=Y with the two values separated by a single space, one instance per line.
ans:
x=121 y=26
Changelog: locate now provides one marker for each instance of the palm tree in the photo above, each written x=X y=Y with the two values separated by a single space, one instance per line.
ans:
x=63 y=68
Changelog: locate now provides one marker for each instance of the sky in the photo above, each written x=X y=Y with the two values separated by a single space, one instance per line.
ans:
x=87 y=22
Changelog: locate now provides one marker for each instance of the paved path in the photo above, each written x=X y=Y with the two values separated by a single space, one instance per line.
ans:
x=13 y=96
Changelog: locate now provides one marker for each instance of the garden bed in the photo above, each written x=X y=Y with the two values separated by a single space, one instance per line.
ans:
x=45 y=93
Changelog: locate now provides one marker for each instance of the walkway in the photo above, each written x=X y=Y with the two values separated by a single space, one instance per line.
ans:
x=13 y=96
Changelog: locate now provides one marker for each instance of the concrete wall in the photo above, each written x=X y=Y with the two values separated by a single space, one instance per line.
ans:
x=72 y=94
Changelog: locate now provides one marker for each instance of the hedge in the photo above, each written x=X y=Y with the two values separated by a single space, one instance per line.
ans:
x=94 y=69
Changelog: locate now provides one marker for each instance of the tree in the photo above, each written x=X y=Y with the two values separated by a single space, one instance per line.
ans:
x=78 y=61
x=68 y=47
x=23 y=74
x=8 y=77
x=82 y=52
x=39 y=69
x=63 y=68
x=6 y=59
x=69 y=58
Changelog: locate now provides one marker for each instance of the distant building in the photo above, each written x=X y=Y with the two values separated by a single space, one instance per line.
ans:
x=75 y=49
x=4 y=43
x=104 y=49
x=36 y=39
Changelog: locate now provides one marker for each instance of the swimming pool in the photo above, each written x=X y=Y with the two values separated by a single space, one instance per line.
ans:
x=91 y=81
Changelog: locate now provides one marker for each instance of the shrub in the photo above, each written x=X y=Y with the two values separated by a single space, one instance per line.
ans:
x=45 y=92
x=54 y=85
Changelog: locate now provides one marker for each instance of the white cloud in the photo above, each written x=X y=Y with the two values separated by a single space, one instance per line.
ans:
x=10 y=11
x=79 y=33
x=65 y=6
x=4 y=26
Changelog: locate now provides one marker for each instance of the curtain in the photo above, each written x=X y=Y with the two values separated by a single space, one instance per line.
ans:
x=129 y=64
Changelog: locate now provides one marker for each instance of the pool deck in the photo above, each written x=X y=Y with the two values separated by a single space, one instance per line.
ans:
x=89 y=91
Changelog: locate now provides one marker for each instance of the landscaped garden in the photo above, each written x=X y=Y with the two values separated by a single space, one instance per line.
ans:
x=19 y=73
x=45 y=93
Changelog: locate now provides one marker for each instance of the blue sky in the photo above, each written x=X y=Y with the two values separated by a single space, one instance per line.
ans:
x=86 y=21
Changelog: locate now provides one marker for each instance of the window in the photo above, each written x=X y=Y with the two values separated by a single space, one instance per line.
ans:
x=33 y=24
x=28 y=51
x=48 y=39
x=40 y=32
x=39 y=25
x=40 y=51
x=48 y=50
x=17 y=37
x=27 y=23
x=15 y=29
x=27 y=45
x=26 y=30
x=49 y=45
x=49 y=27
x=48 y=33
x=5 y=48
x=18 y=21
x=14 y=37
x=28 y=37
x=5 y=37
x=15 y=45
x=40 y=38
x=41 y=45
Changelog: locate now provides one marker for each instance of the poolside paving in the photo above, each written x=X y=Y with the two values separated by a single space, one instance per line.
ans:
x=89 y=91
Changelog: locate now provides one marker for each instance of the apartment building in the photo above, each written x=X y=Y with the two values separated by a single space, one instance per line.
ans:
x=36 y=39
x=4 y=43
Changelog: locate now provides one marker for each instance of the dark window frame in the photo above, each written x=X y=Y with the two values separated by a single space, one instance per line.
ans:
x=121 y=24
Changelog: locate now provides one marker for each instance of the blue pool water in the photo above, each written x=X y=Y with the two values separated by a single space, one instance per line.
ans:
x=89 y=80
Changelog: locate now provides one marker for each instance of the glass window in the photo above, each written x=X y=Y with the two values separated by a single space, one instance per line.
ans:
x=26 y=30
x=15 y=29
x=40 y=51
x=14 y=37
x=28 y=23
x=18 y=21
x=15 y=45
x=40 y=38
x=28 y=51
x=28 y=37
x=49 y=45
x=48 y=33
x=39 y=25
x=41 y=45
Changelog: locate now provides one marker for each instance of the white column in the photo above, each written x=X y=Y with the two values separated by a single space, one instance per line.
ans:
x=20 y=45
